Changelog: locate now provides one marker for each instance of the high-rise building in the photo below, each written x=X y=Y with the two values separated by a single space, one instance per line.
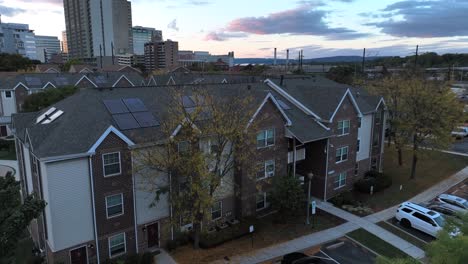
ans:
x=64 y=42
x=142 y=35
x=46 y=47
x=98 y=28
x=161 y=55
x=17 y=39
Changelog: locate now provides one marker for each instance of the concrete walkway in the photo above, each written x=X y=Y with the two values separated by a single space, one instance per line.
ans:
x=354 y=222
x=164 y=258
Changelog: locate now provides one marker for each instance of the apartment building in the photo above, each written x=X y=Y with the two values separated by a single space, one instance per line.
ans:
x=161 y=55
x=97 y=203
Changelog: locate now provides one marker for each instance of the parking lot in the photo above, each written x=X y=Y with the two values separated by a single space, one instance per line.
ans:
x=460 y=145
x=340 y=251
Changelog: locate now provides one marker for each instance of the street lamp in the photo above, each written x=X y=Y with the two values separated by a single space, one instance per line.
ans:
x=310 y=175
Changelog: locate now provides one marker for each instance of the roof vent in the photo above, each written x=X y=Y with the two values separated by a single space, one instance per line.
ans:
x=49 y=116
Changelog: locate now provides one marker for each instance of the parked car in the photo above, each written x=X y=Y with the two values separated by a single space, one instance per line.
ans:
x=460 y=132
x=443 y=208
x=459 y=203
x=420 y=218
x=291 y=257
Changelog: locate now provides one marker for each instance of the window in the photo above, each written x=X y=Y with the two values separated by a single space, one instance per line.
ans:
x=341 y=154
x=266 y=138
x=375 y=142
x=359 y=120
x=423 y=217
x=358 y=146
x=117 y=245
x=183 y=147
x=111 y=163
x=261 y=201
x=266 y=169
x=8 y=94
x=216 y=210
x=340 y=180
x=343 y=127
x=356 y=169
x=114 y=205
x=406 y=210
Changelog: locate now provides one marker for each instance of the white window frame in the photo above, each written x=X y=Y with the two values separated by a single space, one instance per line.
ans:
x=265 y=134
x=265 y=203
x=341 y=131
x=341 y=182
x=341 y=154
x=107 y=207
x=220 y=211
x=104 y=165
x=10 y=93
x=266 y=163
x=109 y=245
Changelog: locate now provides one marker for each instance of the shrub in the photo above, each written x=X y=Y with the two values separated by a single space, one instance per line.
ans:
x=209 y=240
x=343 y=198
x=288 y=195
x=380 y=182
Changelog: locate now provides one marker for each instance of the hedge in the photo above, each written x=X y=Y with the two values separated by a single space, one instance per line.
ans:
x=209 y=240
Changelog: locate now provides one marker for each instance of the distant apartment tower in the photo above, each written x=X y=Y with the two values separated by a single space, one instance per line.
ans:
x=46 y=47
x=64 y=42
x=161 y=55
x=143 y=35
x=17 y=39
x=94 y=27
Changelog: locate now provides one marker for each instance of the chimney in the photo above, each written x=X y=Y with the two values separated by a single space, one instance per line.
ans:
x=274 y=62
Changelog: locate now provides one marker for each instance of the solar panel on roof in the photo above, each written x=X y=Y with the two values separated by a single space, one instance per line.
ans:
x=125 y=121
x=115 y=106
x=146 y=119
x=135 y=105
x=283 y=104
x=33 y=81
x=187 y=101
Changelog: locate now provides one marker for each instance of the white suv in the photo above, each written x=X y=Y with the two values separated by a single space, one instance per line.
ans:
x=418 y=217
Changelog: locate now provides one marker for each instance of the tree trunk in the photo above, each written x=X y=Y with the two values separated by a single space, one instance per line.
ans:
x=400 y=157
x=415 y=158
x=196 y=235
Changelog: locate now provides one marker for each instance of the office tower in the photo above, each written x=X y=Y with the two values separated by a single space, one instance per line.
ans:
x=46 y=47
x=95 y=27
x=17 y=39
x=142 y=35
x=161 y=55
x=64 y=42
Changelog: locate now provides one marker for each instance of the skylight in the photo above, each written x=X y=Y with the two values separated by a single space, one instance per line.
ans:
x=49 y=116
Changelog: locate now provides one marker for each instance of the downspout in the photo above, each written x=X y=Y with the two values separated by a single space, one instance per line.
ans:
x=134 y=206
x=170 y=202
x=326 y=173
x=94 y=209
x=382 y=141
x=294 y=157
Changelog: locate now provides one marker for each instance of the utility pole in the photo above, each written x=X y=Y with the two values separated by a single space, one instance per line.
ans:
x=363 y=60
x=416 y=58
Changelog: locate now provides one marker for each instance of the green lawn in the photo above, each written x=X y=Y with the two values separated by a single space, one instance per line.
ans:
x=390 y=228
x=433 y=167
x=376 y=244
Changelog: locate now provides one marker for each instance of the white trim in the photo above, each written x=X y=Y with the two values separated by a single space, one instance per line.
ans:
x=339 y=180
x=382 y=101
x=87 y=70
x=85 y=77
x=341 y=154
x=53 y=69
x=224 y=81
x=154 y=80
x=269 y=96
x=342 y=128
x=87 y=256
x=326 y=170
x=170 y=78
x=107 y=207
x=353 y=101
x=179 y=127
x=134 y=206
x=28 y=140
x=109 y=245
x=123 y=76
x=20 y=83
x=265 y=205
x=112 y=129
x=94 y=208
x=64 y=157
x=291 y=99
x=104 y=165
x=220 y=209
x=43 y=87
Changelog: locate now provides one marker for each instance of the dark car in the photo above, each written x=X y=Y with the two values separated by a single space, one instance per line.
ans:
x=292 y=257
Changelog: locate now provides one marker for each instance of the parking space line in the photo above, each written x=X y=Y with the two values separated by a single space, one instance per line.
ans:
x=330 y=258
x=408 y=233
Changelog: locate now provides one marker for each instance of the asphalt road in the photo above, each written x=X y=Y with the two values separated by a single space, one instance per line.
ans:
x=422 y=236
x=461 y=145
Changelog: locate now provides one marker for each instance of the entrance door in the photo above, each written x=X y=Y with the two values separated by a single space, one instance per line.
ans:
x=79 y=256
x=153 y=235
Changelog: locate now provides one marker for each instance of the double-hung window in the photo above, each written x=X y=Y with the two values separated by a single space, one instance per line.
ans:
x=114 y=205
x=340 y=180
x=341 y=154
x=111 y=164
x=262 y=200
x=117 y=245
x=7 y=94
x=343 y=127
x=266 y=169
x=216 y=210
x=266 y=138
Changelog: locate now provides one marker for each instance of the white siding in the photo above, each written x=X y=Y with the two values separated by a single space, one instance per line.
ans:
x=47 y=212
x=69 y=211
x=27 y=163
x=364 y=134
x=8 y=104
x=147 y=208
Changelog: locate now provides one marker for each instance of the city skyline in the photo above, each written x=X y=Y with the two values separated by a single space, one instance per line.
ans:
x=320 y=28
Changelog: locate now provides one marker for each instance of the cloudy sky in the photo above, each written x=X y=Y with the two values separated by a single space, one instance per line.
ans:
x=252 y=28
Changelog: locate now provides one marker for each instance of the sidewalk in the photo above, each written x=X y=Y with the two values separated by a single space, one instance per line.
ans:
x=354 y=222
